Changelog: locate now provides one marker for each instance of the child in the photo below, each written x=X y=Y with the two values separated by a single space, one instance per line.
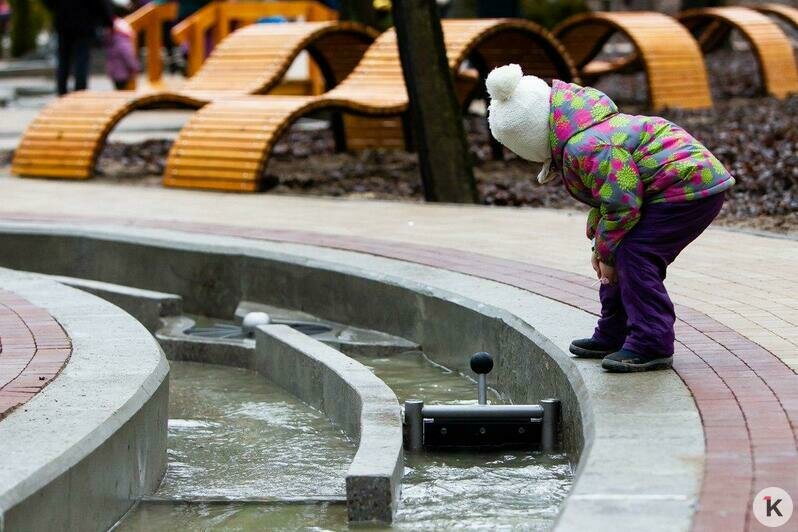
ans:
x=121 y=62
x=652 y=189
x=5 y=19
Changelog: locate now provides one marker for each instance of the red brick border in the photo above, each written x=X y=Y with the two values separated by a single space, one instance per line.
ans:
x=747 y=397
x=33 y=350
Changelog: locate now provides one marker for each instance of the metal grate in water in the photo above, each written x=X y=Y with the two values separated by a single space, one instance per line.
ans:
x=234 y=332
x=217 y=330
x=308 y=327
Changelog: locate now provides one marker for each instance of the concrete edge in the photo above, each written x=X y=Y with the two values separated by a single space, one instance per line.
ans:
x=186 y=348
x=356 y=400
x=81 y=452
x=147 y=306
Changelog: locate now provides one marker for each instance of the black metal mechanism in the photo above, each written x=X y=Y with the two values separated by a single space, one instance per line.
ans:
x=481 y=425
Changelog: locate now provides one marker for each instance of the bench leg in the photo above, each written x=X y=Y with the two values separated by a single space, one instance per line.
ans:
x=407 y=130
x=338 y=131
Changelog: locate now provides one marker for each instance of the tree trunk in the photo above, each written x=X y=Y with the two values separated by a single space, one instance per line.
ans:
x=437 y=120
x=359 y=11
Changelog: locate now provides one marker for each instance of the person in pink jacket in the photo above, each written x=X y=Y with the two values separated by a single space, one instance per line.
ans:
x=121 y=63
x=5 y=19
x=652 y=189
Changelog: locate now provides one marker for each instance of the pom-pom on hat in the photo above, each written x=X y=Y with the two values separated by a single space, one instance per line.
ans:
x=502 y=81
x=519 y=114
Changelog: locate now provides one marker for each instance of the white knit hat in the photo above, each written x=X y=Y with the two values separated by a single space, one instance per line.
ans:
x=519 y=115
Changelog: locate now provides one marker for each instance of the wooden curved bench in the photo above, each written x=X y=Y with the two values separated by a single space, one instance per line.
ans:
x=225 y=145
x=772 y=48
x=674 y=66
x=784 y=12
x=66 y=138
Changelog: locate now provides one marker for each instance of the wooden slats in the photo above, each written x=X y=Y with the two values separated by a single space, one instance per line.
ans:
x=671 y=57
x=150 y=19
x=252 y=60
x=771 y=46
x=786 y=13
x=226 y=145
x=213 y=22
x=68 y=134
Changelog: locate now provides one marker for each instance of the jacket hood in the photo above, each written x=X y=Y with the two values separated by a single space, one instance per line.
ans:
x=573 y=110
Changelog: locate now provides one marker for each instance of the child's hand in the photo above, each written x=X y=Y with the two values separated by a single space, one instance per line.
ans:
x=595 y=263
x=607 y=272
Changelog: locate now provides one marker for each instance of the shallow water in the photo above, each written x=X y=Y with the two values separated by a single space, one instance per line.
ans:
x=412 y=375
x=269 y=443
x=445 y=490
x=159 y=517
x=234 y=434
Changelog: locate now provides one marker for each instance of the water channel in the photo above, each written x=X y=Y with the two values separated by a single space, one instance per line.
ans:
x=234 y=435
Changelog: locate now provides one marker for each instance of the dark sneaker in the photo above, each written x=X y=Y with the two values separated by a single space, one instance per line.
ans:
x=625 y=361
x=590 y=348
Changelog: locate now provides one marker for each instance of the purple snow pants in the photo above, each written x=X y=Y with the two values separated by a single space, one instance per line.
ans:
x=636 y=312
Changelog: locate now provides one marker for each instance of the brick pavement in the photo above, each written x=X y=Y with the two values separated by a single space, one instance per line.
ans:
x=33 y=350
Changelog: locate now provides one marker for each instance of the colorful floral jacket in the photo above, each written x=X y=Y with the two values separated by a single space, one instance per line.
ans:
x=617 y=163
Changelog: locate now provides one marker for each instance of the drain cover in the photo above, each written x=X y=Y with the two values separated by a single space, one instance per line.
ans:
x=234 y=332
x=217 y=330
x=308 y=327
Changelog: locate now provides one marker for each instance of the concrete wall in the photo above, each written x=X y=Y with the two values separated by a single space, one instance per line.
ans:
x=146 y=306
x=213 y=280
x=360 y=403
x=82 y=451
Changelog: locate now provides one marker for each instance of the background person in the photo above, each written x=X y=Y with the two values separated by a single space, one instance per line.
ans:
x=121 y=63
x=5 y=19
x=77 y=23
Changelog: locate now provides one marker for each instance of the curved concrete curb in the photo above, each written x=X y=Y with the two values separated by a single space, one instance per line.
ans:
x=348 y=393
x=147 y=306
x=79 y=454
x=352 y=396
x=612 y=423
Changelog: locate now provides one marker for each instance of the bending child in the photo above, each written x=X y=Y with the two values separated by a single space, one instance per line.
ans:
x=652 y=189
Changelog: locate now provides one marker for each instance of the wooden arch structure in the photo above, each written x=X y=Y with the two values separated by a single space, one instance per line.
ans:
x=771 y=46
x=672 y=60
x=784 y=12
x=66 y=138
x=225 y=146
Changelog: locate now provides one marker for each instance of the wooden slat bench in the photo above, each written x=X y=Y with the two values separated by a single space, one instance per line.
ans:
x=672 y=60
x=784 y=12
x=149 y=20
x=208 y=26
x=66 y=138
x=225 y=145
x=771 y=46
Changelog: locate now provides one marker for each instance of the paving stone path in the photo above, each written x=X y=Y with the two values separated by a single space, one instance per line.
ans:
x=33 y=350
